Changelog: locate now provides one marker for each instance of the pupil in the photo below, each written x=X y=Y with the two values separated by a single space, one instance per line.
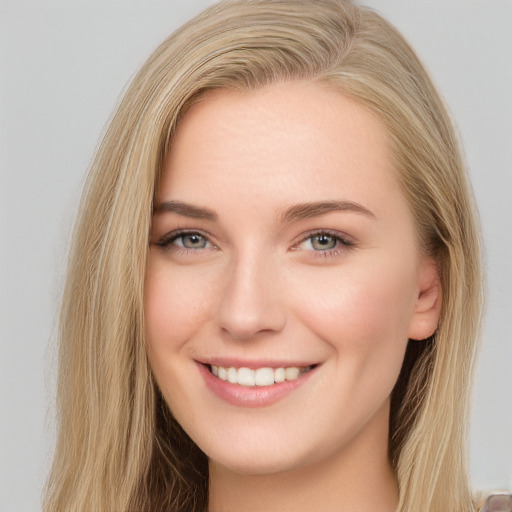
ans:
x=324 y=242
x=193 y=241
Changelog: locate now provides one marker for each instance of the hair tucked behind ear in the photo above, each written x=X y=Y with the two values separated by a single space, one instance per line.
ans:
x=118 y=448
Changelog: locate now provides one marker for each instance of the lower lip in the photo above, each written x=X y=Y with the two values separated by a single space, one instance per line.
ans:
x=251 y=396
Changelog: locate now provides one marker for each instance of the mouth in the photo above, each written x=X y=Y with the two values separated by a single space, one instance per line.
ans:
x=262 y=377
x=254 y=384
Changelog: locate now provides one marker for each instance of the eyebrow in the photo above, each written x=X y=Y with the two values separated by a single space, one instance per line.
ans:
x=186 y=210
x=294 y=213
x=310 y=210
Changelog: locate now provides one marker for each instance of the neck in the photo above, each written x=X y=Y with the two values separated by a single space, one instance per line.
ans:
x=359 y=477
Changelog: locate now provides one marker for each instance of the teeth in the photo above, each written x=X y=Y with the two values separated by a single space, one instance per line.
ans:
x=232 y=375
x=291 y=373
x=260 y=377
x=246 y=377
x=279 y=375
x=223 y=373
x=264 y=376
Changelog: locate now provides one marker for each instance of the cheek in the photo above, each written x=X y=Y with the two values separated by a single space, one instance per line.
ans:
x=363 y=313
x=176 y=304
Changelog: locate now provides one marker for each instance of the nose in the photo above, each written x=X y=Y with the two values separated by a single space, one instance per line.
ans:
x=251 y=301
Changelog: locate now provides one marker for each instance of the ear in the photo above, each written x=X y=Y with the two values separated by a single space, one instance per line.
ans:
x=427 y=307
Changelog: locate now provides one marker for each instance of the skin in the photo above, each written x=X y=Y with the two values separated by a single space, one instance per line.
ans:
x=255 y=285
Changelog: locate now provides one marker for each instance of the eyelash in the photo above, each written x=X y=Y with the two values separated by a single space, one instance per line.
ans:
x=167 y=242
x=342 y=243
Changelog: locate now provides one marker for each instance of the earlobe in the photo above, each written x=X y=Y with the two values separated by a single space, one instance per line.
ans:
x=427 y=308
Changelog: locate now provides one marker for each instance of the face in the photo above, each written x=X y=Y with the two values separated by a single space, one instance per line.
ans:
x=284 y=277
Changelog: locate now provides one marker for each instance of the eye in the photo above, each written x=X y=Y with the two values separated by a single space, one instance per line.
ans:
x=189 y=240
x=324 y=242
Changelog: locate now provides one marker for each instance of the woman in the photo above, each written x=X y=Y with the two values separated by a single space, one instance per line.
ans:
x=275 y=291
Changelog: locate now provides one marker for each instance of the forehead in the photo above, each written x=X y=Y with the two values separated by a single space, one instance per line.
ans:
x=293 y=142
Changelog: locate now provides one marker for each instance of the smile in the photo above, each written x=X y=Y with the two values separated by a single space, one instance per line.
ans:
x=260 y=376
x=254 y=385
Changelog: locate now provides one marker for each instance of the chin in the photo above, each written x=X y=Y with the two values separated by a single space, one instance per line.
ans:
x=256 y=464
x=259 y=453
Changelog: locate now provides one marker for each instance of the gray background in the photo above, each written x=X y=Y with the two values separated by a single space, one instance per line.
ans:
x=63 y=68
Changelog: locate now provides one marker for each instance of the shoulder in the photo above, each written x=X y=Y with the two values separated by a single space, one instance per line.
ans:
x=498 y=502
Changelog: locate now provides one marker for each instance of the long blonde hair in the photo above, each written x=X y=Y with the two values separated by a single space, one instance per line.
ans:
x=119 y=449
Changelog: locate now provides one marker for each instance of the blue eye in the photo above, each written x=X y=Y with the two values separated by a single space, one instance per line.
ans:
x=191 y=241
x=324 y=242
x=184 y=240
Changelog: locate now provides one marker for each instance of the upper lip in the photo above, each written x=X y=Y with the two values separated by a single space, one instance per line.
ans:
x=255 y=363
